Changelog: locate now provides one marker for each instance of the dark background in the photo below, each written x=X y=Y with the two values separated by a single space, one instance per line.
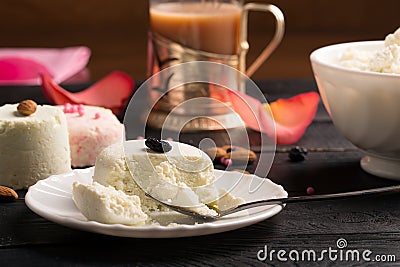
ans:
x=116 y=31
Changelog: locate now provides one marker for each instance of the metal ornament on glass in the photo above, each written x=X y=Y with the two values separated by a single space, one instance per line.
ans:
x=164 y=53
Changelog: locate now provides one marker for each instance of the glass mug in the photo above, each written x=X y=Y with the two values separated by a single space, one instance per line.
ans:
x=202 y=30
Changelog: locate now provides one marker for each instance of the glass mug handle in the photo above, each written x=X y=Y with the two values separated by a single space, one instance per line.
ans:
x=272 y=45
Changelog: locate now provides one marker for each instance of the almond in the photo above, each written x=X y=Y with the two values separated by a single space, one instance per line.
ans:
x=27 y=107
x=7 y=194
x=242 y=156
x=216 y=153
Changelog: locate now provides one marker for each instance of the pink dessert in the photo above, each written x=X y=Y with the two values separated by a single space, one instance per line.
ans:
x=91 y=129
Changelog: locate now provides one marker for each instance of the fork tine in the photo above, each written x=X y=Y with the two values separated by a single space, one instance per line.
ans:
x=187 y=211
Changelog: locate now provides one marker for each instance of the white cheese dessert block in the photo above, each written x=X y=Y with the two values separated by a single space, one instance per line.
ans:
x=91 y=129
x=169 y=176
x=184 y=174
x=105 y=204
x=111 y=169
x=32 y=147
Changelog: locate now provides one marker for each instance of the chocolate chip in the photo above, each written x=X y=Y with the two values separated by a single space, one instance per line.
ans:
x=158 y=145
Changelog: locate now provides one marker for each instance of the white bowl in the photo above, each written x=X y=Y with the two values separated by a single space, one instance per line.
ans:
x=363 y=105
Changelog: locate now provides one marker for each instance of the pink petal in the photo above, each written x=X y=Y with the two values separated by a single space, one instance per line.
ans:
x=53 y=92
x=293 y=115
x=111 y=92
x=252 y=113
x=22 y=65
x=18 y=68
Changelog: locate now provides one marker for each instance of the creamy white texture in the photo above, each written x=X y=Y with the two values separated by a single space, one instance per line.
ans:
x=32 y=147
x=105 y=204
x=111 y=169
x=385 y=60
x=170 y=176
x=185 y=175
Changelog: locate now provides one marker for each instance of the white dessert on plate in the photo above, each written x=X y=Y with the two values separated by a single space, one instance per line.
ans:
x=105 y=204
x=183 y=176
x=167 y=176
x=111 y=169
x=32 y=147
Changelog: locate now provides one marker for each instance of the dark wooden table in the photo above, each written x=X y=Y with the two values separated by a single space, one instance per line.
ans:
x=365 y=223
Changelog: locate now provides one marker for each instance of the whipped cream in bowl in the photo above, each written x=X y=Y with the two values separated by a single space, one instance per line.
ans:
x=385 y=59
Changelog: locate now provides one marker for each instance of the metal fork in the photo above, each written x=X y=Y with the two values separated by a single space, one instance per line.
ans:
x=276 y=201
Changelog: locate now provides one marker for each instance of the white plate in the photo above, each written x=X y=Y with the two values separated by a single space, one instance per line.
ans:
x=52 y=199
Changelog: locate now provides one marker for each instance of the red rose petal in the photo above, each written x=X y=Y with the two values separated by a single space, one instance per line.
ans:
x=53 y=92
x=251 y=111
x=293 y=115
x=110 y=92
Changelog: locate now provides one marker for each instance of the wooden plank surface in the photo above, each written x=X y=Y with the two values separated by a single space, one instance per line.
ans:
x=366 y=223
